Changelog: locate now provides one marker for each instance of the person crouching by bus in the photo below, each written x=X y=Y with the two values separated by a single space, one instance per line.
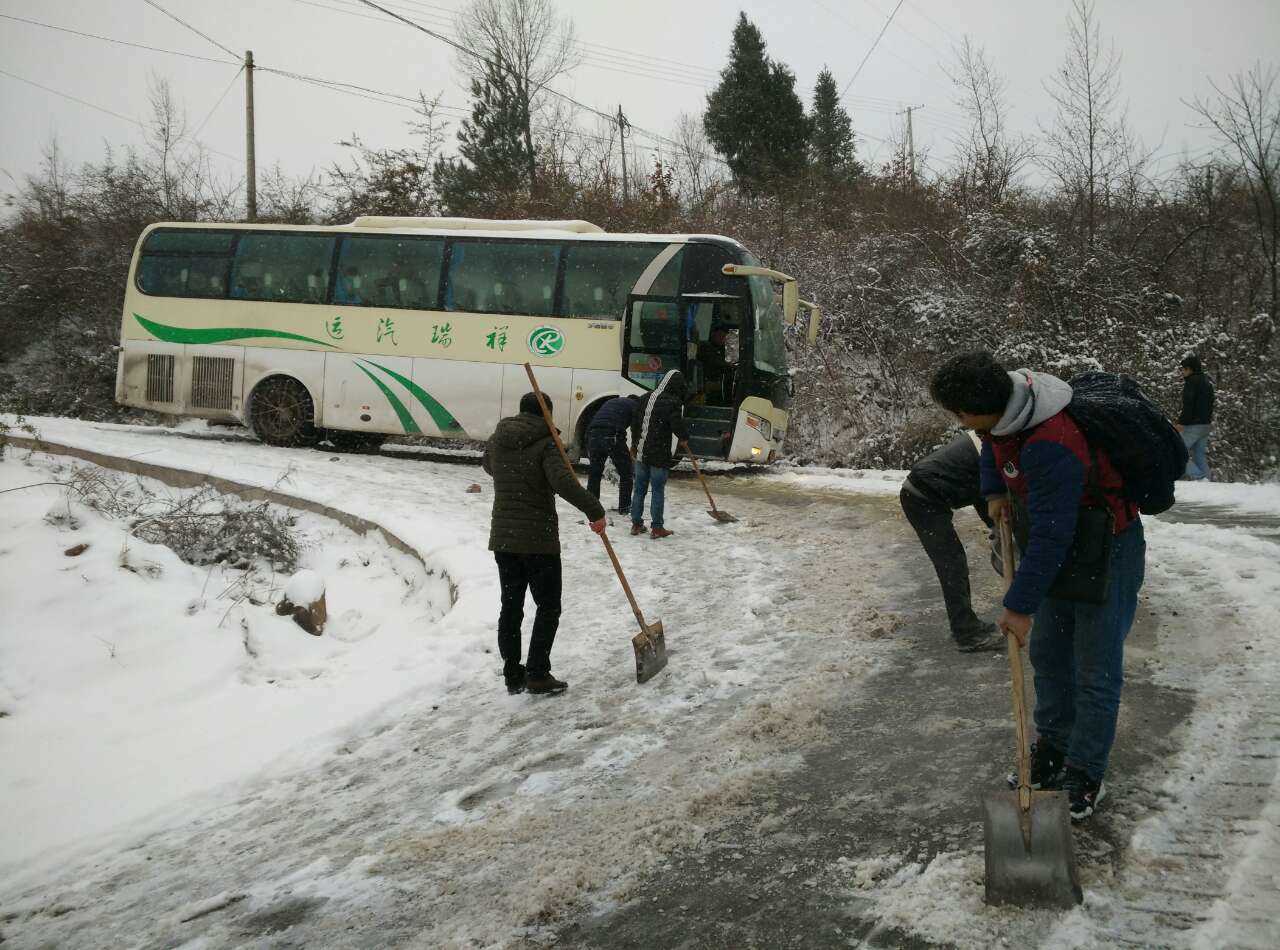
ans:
x=607 y=439
x=944 y=481
x=524 y=537
x=659 y=416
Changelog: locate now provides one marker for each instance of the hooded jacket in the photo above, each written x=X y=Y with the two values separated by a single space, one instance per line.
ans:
x=613 y=417
x=1197 y=400
x=528 y=473
x=1038 y=452
x=658 y=417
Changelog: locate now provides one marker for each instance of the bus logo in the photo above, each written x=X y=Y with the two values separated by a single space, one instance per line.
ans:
x=546 y=341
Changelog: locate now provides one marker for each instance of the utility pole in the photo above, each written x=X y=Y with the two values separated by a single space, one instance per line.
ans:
x=250 y=163
x=911 y=142
x=622 y=135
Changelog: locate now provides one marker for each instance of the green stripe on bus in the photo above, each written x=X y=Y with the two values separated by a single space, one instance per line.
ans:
x=441 y=416
x=406 y=417
x=170 y=334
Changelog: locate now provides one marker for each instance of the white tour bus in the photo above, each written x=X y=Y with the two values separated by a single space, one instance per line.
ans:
x=421 y=325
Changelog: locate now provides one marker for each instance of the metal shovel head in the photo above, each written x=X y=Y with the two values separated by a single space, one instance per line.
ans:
x=1042 y=875
x=722 y=516
x=651 y=651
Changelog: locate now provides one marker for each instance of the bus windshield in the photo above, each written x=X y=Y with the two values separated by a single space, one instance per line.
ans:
x=769 y=349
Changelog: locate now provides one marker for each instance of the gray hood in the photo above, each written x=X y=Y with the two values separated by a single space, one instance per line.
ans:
x=1036 y=397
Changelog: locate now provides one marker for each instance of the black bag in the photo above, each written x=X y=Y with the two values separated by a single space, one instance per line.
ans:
x=1117 y=417
x=1085 y=576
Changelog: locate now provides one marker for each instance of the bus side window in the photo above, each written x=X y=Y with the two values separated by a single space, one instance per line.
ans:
x=185 y=262
x=515 y=277
x=276 y=267
x=388 y=271
x=598 y=277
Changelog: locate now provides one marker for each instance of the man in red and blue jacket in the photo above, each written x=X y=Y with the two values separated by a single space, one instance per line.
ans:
x=1033 y=449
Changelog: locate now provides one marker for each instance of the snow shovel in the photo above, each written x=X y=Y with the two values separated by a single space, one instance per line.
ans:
x=722 y=516
x=650 y=644
x=1031 y=860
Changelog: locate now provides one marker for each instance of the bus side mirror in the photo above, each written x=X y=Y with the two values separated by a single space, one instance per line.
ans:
x=815 y=319
x=790 y=302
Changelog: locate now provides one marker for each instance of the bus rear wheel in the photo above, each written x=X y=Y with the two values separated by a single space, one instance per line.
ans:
x=282 y=412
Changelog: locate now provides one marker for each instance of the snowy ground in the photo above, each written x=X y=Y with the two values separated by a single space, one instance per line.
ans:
x=401 y=798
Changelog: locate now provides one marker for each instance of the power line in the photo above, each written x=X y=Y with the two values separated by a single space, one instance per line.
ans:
x=879 y=37
x=177 y=19
x=102 y=109
x=109 y=39
x=205 y=121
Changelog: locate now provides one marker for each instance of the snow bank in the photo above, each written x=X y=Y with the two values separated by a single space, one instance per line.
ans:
x=304 y=588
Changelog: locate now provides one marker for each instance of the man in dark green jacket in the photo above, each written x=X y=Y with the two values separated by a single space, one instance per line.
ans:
x=528 y=473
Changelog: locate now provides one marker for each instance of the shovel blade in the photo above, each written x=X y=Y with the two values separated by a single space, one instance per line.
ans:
x=1042 y=875
x=722 y=516
x=651 y=651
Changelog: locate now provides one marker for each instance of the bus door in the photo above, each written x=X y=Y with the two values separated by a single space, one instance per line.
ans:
x=653 y=340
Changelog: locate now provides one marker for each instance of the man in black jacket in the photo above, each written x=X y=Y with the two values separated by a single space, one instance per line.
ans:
x=659 y=418
x=607 y=439
x=1196 y=416
x=944 y=481
x=524 y=537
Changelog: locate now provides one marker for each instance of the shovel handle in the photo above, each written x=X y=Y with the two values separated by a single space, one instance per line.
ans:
x=698 y=471
x=1015 y=672
x=555 y=434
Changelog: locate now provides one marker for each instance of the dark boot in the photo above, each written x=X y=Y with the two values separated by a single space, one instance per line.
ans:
x=1083 y=793
x=659 y=533
x=1047 y=764
x=515 y=677
x=637 y=527
x=545 y=684
x=984 y=638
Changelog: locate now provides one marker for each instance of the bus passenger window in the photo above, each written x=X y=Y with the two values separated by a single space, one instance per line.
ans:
x=517 y=277
x=376 y=271
x=598 y=277
x=275 y=267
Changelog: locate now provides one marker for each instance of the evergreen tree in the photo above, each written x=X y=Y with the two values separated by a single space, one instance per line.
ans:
x=831 y=145
x=754 y=117
x=495 y=157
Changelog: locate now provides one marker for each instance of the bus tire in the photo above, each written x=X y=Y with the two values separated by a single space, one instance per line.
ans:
x=281 y=412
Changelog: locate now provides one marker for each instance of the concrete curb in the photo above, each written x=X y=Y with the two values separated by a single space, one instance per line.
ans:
x=185 y=478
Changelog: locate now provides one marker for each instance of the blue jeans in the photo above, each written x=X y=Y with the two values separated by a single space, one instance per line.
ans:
x=1196 y=439
x=1077 y=652
x=647 y=475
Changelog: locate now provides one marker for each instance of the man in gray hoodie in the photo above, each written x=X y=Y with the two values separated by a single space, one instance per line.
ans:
x=1035 y=452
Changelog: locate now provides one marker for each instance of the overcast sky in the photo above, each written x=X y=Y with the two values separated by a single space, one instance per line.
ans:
x=656 y=57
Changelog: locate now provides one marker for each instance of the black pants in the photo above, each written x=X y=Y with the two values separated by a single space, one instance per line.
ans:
x=602 y=446
x=932 y=522
x=540 y=575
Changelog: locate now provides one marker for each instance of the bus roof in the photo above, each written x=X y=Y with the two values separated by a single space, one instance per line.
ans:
x=475 y=227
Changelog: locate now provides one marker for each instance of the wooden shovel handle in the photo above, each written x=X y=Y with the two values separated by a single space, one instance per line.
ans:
x=555 y=434
x=698 y=471
x=1015 y=671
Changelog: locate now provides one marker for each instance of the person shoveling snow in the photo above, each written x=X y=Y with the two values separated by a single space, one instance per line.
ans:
x=525 y=539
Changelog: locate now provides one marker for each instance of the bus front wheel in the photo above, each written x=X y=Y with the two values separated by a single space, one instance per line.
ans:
x=282 y=413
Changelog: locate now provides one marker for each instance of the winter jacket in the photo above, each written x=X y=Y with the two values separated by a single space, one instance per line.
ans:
x=613 y=417
x=528 y=473
x=949 y=475
x=1197 y=401
x=659 y=415
x=1037 y=451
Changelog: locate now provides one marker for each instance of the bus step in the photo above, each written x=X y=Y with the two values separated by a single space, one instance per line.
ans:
x=723 y=414
x=705 y=447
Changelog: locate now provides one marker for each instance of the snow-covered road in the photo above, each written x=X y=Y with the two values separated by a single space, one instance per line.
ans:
x=807 y=661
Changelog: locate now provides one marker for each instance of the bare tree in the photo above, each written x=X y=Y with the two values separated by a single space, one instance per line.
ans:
x=529 y=40
x=988 y=156
x=698 y=171
x=1089 y=147
x=1246 y=118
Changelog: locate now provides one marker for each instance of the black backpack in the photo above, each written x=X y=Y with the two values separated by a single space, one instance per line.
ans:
x=1116 y=416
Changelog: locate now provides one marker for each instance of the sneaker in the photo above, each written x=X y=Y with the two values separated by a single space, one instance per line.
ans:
x=637 y=527
x=546 y=684
x=1047 y=765
x=1084 y=795
x=983 y=639
x=658 y=533
x=515 y=678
